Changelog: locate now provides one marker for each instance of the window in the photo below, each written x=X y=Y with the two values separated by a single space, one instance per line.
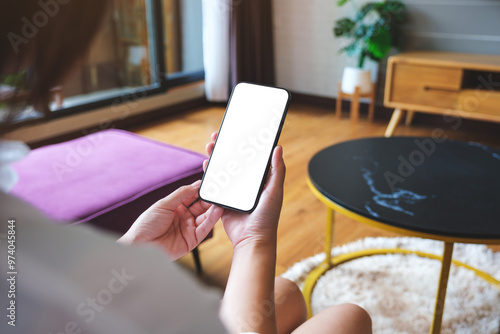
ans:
x=183 y=40
x=143 y=47
x=124 y=61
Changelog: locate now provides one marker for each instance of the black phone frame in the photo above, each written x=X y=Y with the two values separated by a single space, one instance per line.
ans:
x=276 y=139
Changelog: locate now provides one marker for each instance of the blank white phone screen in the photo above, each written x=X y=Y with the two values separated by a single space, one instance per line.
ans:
x=244 y=145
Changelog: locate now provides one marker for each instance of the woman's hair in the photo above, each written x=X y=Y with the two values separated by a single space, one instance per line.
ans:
x=47 y=37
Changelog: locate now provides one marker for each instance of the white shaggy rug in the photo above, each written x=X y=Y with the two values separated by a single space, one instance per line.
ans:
x=399 y=290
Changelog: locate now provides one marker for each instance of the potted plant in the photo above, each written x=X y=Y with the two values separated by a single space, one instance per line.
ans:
x=371 y=33
x=15 y=81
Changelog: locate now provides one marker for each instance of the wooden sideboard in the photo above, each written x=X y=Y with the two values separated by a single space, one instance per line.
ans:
x=446 y=83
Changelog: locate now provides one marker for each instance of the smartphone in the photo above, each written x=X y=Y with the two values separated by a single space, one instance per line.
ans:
x=238 y=166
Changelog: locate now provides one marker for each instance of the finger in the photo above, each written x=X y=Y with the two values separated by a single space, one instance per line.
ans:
x=277 y=173
x=214 y=136
x=209 y=148
x=205 y=163
x=205 y=223
x=277 y=160
x=199 y=208
x=185 y=195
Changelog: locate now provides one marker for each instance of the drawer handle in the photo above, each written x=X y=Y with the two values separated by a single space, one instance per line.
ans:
x=443 y=89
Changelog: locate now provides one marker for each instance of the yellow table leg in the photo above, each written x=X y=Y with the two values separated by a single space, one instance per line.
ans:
x=315 y=274
x=441 y=292
x=330 y=218
x=327 y=264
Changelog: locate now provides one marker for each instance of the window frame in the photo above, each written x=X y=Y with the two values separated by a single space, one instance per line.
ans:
x=164 y=82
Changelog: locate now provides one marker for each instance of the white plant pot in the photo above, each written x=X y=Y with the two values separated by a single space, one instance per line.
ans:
x=353 y=77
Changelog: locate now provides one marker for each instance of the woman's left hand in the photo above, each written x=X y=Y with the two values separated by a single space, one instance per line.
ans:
x=175 y=223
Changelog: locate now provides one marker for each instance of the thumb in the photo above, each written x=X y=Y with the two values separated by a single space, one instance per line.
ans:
x=277 y=173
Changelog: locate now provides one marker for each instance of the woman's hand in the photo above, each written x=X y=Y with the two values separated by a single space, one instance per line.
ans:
x=177 y=223
x=261 y=224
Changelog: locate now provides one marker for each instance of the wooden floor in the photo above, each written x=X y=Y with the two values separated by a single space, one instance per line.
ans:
x=307 y=130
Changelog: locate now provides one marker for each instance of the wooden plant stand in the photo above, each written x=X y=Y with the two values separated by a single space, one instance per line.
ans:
x=355 y=102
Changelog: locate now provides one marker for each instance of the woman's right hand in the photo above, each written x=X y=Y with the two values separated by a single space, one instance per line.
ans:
x=261 y=224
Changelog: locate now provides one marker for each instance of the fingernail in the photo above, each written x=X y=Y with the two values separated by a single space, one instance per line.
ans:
x=280 y=150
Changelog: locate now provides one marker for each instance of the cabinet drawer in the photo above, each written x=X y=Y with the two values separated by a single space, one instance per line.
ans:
x=476 y=101
x=425 y=85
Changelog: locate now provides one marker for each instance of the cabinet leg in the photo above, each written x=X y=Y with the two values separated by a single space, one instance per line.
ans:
x=409 y=117
x=393 y=123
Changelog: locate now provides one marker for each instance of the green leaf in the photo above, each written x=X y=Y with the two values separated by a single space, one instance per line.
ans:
x=373 y=30
x=392 y=10
x=372 y=57
x=380 y=44
x=393 y=6
x=17 y=80
x=368 y=7
x=343 y=27
x=350 y=50
x=360 y=31
x=362 y=57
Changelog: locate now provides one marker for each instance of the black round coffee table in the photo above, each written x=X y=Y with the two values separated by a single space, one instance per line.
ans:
x=426 y=187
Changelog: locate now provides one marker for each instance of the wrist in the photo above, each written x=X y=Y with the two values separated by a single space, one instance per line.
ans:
x=255 y=246
x=251 y=285
x=257 y=242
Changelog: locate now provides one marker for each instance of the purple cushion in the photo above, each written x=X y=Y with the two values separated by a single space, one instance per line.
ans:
x=108 y=178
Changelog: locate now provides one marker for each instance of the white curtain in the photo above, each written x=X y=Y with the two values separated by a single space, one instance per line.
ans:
x=216 y=21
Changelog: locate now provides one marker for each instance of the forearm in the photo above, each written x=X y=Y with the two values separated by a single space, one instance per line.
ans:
x=248 y=303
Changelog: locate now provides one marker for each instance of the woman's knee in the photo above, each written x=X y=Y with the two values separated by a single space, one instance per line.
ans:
x=353 y=316
x=358 y=313
x=291 y=310
x=339 y=319
x=287 y=291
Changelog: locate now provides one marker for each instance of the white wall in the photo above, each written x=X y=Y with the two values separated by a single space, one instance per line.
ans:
x=306 y=52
